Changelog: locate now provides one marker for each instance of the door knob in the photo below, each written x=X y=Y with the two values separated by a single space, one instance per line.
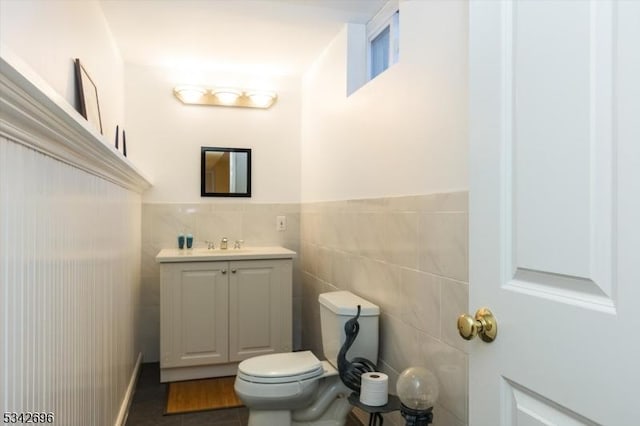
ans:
x=484 y=324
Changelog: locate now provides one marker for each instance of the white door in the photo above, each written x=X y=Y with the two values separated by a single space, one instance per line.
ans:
x=555 y=211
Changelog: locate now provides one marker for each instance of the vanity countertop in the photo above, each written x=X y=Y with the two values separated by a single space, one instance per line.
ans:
x=206 y=255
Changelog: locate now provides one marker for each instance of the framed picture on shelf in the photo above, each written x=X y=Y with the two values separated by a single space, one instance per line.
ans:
x=87 y=94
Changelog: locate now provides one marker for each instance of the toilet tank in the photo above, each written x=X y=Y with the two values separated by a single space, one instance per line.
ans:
x=338 y=307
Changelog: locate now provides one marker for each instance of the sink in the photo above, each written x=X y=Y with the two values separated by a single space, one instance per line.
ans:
x=205 y=250
x=201 y=254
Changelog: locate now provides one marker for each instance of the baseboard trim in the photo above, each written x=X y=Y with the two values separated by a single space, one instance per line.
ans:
x=128 y=397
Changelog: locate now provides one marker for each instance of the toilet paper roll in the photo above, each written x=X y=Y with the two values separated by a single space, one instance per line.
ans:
x=374 y=389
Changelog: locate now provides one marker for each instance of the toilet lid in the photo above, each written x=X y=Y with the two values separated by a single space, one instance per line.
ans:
x=280 y=368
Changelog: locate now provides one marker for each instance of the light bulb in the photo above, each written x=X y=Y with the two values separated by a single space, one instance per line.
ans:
x=261 y=99
x=189 y=94
x=227 y=96
x=417 y=388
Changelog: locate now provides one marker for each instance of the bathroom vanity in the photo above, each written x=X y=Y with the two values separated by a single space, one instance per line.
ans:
x=219 y=307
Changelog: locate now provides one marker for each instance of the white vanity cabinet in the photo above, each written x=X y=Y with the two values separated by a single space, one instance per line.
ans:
x=218 y=308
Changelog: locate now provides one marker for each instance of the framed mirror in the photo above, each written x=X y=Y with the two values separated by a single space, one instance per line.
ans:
x=225 y=172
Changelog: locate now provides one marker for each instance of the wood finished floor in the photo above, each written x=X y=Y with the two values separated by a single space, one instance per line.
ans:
x=149 y=401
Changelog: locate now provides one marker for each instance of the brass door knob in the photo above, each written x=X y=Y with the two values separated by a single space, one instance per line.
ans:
x=484 y=324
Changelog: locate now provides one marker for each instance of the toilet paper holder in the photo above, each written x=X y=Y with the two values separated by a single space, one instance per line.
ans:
x=375 y=413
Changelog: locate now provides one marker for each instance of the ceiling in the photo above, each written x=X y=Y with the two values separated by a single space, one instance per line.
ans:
x=273 y=37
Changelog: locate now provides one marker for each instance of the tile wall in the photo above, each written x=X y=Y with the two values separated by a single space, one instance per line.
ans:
x=406 y=254
x=409 y=256
x=253 y=223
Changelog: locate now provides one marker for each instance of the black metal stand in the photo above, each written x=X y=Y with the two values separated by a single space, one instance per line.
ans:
x=375 y=413
x=416 y=417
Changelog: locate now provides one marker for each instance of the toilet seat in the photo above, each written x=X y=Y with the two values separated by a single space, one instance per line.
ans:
x=281 y=368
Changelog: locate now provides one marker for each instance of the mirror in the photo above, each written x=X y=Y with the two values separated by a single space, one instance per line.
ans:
x=225 y=172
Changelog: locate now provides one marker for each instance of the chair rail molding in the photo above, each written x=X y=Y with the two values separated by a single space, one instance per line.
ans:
x=35 y=115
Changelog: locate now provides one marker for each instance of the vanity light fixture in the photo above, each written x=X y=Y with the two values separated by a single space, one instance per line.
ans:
x=230 y=97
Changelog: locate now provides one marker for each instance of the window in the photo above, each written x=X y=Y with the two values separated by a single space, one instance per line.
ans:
x=379 y=48
x=382 y=39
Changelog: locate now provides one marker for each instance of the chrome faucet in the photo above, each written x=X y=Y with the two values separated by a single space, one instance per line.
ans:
x=223 y=243
x=238 y=244
x=210 y=245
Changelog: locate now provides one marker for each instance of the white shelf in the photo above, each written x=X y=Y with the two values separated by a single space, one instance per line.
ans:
x=35 y=115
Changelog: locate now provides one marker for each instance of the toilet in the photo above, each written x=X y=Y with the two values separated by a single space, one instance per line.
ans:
x=297 y=388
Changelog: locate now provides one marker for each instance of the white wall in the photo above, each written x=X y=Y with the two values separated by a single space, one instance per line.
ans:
x=49 y=35
x=402 y=133
x=164 y=136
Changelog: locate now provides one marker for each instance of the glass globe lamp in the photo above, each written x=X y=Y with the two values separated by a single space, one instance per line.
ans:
x=418 y=391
